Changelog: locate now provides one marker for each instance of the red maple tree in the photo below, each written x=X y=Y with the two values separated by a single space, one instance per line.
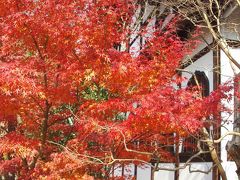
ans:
x=71 y=104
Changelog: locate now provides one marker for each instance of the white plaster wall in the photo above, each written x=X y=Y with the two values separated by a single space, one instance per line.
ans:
x=226 y=75
x=162 y=174
x=144 y=172
x=185 y=174
x=204 y=40
x=205 y=64
x=129 y=171
x=117 y=172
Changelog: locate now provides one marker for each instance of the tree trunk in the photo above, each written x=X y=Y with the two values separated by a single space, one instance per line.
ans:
x=214 y=154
